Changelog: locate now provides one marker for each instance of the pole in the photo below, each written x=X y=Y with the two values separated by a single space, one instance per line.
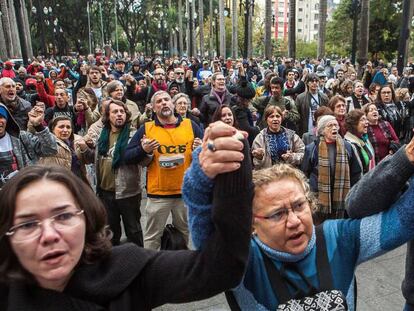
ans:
x=404 y=36
x=116 y=29
x=89 y=26
x=19 y=21
x=102 y=28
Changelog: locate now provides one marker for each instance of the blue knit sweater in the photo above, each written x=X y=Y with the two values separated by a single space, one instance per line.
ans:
x=349 y=243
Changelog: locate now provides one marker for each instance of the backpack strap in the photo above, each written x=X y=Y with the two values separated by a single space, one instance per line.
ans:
x=279 y=279
x=322 y=262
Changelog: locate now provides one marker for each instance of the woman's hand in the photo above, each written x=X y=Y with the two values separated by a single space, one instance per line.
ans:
x=221 y=151
x=258 y=153
x=409 y=150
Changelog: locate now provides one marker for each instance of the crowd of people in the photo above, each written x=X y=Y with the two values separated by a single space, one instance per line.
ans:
x=314 y=132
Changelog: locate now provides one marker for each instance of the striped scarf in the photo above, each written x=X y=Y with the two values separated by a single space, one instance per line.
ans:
x=333 y=201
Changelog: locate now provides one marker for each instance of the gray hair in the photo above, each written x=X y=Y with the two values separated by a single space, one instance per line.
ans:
x=5 y=80
x=157 y=93
x=181 y=95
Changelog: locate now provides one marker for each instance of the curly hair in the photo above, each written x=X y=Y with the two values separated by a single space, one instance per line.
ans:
x=280 y=172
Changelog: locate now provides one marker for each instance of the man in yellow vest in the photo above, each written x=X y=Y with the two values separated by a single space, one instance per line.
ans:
x=168 y=140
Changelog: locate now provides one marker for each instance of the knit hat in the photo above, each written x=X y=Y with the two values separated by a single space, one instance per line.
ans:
x=111 y=86
x=323 y=121
x=245 y=90
x=30 y=82
x=3 y=112
x=173 y=84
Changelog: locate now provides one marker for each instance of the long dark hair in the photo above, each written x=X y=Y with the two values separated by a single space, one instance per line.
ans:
x=97 y=236
x=217 y=115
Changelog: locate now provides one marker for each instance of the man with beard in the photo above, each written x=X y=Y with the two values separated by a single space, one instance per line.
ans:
x=308 y=102
x=61 y=107
x=291 y=115
x=119 y=70
x=117 y=185
x=91 y=78
x=18 y=107
x=167 y=142
x=146 y=93
x=184 y=81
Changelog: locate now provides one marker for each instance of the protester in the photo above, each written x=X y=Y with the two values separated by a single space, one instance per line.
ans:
x=338 y=105
x=166 y=144
x=357 y=126
x=284 y=237
x=19 y=148
x=380 y=133
x=332 y=167
x=275 y=143
x=70 y=148
x=61 y=258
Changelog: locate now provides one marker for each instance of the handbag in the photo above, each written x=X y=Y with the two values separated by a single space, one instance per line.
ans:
x=324 y=298
x=172 y=239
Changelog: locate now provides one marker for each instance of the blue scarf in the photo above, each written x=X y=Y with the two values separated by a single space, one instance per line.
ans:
x=278 y=144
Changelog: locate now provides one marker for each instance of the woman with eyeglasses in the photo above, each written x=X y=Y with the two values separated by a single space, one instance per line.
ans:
x=294 y=265
x=380 y=133
x=332 y=168
x=387 y=108
x=56 y=254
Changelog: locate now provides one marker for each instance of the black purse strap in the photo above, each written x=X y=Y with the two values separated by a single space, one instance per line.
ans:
x=279 y=279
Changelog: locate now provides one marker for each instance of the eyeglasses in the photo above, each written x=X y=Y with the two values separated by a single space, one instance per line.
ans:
x=158 y=74
x=31 y=230
x=281 y=215
x=386 y=92
x=179 y=73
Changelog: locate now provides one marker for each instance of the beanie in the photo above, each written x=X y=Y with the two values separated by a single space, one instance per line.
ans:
x=245 y=90
x=323 y=121
x=111 y=86
x=3 y=112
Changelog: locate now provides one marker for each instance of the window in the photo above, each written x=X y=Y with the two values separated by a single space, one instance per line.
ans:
x=299 y=30
x=317 y=6
x=316 y=16
x=315 y=27
x=300 y=10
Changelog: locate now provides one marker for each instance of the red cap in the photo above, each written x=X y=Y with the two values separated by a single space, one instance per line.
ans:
x=9 y=63
x=30 y=81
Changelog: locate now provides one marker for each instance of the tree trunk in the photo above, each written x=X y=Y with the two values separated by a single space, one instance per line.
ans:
x=27 y=31
x=222 y=29
x=292 y=29
x=234 y=20
x=171 y=31
x=201 y=22
x=323 y=6
x=6 y=27
x=250 y=32
x=210 y=32
x=3 y=49
x=268 y=29
x=13 y=27
x=180 y=28
x=363 y=33
x=193 y=10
